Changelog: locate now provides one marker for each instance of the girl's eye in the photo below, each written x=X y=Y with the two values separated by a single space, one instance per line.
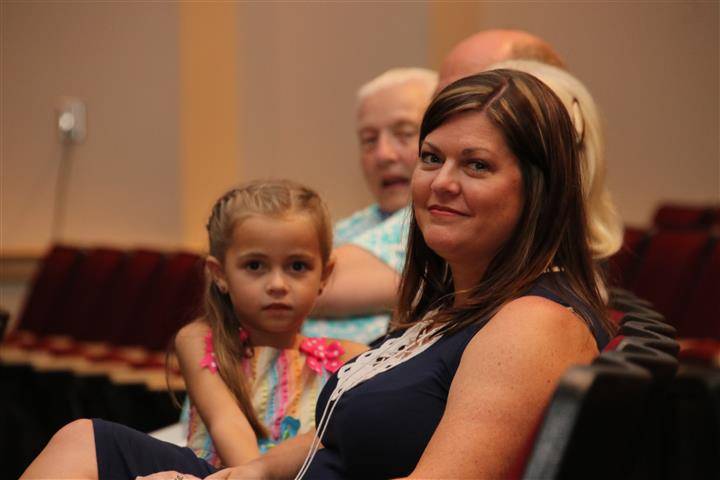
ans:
x=429 y=158
x=253 y=265
x=298 y=266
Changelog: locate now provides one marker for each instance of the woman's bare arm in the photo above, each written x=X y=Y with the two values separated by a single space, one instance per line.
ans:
x=505 y=379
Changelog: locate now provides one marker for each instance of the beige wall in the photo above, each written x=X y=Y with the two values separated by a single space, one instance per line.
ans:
x=653 y=69
x=301 y=67
x=122 y=60
x=652 y=66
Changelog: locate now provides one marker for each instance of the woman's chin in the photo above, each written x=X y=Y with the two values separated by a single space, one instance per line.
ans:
x=446 y=247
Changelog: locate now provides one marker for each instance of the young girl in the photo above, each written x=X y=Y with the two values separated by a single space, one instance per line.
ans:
x=252 y=379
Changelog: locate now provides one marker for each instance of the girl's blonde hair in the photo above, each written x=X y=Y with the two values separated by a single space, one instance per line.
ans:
x=274 y=198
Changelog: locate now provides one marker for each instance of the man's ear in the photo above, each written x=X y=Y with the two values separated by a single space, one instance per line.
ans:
x=217 y=272
x=327 y=272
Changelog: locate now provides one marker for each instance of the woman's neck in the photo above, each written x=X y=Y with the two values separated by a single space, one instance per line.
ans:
x=465 y=275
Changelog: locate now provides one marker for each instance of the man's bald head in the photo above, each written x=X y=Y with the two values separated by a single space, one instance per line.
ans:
x=479 y=51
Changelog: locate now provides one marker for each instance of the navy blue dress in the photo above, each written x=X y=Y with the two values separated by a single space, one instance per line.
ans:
x=380 y=428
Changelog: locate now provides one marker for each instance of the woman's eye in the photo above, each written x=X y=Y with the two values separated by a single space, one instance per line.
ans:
x=298 y=266
x=477 y=166
x=429 y=158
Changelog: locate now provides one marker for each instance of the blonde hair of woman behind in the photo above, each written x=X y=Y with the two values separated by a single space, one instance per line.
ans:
x=274 y=198
x=604 y=224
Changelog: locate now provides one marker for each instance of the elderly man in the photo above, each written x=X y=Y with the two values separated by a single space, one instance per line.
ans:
x=371 y=243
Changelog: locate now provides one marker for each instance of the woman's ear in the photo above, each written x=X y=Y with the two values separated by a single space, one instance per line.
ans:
x=326 y=273
x=217 y=272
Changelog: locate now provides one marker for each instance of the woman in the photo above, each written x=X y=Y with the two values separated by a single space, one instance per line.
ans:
x=498 y=298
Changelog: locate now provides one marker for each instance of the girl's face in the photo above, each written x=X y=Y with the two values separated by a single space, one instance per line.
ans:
x=467 y=190
x=273 y=273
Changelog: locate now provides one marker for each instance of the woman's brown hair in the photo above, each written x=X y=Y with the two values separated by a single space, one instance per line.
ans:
x=552 y=229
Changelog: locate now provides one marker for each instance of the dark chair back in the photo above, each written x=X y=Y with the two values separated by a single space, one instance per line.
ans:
x=595 y=414
x=606 y=420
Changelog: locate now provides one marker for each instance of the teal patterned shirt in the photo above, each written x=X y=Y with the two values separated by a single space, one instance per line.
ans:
x=384 y=236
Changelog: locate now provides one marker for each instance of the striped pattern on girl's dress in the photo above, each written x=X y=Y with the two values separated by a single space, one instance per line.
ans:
x=284 y=392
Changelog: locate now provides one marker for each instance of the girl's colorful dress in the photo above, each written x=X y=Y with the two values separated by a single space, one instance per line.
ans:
x=285 y=384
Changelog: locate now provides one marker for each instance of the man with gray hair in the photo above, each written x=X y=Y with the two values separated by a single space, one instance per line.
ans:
x=370 y=244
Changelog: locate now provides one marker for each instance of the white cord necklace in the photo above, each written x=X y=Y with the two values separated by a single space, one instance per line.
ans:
x=391 y=353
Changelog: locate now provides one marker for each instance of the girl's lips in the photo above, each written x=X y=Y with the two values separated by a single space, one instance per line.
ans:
x=445 y=211
x=277 y=306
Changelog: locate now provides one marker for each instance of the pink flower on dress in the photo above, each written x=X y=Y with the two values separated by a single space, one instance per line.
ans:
x=321 y=354
x=243 y=334
x=208 y=360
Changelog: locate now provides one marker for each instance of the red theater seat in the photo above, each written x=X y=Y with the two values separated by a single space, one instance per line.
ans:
x=139 y=281
x=177 y=301
x=87 y=301
x=683 y=217
x=55 y=277
x=670 y=268
x=701 y=317
x=624 y=264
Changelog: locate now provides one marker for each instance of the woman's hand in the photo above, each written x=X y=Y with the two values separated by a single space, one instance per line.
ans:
x=283 y=461
x=250 y=471
x=170 y=475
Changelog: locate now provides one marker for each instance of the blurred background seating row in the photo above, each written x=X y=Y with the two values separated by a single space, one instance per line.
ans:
x=675 y=265
x=91 y=341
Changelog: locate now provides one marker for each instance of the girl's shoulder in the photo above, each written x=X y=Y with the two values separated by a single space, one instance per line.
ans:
x=194 y=345
x=196 y=330
x=351 y=349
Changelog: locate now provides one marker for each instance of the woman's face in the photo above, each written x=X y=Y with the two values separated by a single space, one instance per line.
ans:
x=467 y=190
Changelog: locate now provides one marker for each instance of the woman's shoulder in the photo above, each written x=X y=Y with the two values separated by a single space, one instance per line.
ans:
x=555 y=287
x=535 y=324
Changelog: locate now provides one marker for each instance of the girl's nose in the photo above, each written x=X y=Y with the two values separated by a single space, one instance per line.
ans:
x=277 y=284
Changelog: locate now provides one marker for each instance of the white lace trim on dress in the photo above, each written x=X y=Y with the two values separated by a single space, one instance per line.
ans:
x=391 y=353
